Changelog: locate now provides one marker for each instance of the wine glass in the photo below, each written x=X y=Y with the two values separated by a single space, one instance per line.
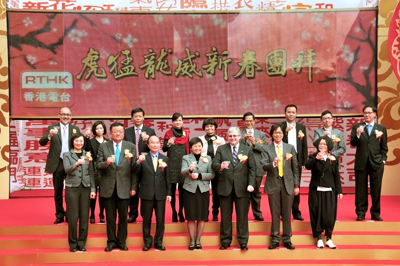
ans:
x=227 y=162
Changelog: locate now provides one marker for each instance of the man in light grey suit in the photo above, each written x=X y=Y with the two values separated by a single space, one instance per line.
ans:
x=117 y=161
x=281 y=184
x=237 y=176
x=256 y=140
x=339 y=146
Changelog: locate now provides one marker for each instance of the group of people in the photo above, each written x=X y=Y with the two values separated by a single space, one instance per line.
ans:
x=130 y=166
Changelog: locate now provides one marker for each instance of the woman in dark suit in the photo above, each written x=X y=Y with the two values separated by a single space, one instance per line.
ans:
x=325 y=189
x=98 y=130
x=196 y=167
x=176 y=144
x=79 y=188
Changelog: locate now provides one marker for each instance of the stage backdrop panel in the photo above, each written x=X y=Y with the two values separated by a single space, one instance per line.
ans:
x=28 y=158
x=185 y=5
x=101 y=65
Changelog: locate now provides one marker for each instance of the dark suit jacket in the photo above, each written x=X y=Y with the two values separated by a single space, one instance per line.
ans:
x=324 y=173
x=78 y=174
x=302 y=150
x=290 y=169
x=153 y=183
x=112 y=175
x=242 y=174
x=369 y=147
x=53 y=157
x=130 y=135
x=257 y=148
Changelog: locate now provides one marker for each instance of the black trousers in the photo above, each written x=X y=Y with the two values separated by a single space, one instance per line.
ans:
x=375 y=182
x=215 y=197
x=58 y=183
x=146 y=209
x=78 y=202
x=113 y=206
x=134 y=206
x=296 y=200
x=323 y=209
x=255 y=198
x=93 y=204
x=242 y=205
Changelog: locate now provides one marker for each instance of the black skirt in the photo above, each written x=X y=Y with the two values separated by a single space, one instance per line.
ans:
x=196 y=205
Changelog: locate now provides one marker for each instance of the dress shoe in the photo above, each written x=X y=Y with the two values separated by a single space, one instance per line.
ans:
x=92 y=220
x=298 y=217
x=59 y=220
x=109 y=248
x=330 y=244
x=102 y=219
x=146 y=248
x=215 y=217
x=259 y=218
x=198 y=246
x=73 y=249
x=273 y=245
x=223 y=247
x=320 y=244
x=181 y=217
x=289 y=245
x=81 y=248
x=123 y=247
x=131 y=219
x=360 y=217
x=160 y=247
x=243 y=247
x=377 y=218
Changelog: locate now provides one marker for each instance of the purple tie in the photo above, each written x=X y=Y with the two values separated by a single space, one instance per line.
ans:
x=137 y=142
x=234 y=155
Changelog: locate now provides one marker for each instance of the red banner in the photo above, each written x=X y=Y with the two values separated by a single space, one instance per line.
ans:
x=102 y=65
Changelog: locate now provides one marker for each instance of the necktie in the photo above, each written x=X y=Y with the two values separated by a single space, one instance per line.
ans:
x=369 y=127
x=280 y=164
x=234 y=155
x=137 y=142
x=64 y=147
x=117 y=154
x=155 y=162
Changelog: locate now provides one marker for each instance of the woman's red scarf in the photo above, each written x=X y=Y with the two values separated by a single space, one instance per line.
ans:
x=184 y=140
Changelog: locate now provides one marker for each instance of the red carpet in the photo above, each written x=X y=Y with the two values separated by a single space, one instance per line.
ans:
x=39 y=210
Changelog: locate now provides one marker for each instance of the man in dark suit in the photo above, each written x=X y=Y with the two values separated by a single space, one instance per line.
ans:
x=237 y=179
x=296 y=135
x=138 y=135
x=256 y=140
x=155 y=188
x=58 y=135
x=117 y=161
x=281 y=184
x=370 y=138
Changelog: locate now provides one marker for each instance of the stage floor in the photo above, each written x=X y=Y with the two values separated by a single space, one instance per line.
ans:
x=21 y=210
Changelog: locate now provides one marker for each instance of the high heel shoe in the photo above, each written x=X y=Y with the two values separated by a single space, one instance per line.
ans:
x=102 y=218
x=191 y=247
x=198 y=246
x=92 y=220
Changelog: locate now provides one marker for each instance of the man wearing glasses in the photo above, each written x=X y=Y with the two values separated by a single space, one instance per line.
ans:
x=339 y=146
x=58 y=135
x=370 y=138
x=236 y=166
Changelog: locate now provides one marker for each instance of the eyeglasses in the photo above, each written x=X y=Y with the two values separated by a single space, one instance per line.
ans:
x=368 y=113
x=233 y=136
x=67 y=115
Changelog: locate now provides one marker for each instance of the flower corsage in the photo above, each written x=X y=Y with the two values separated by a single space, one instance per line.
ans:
x=300 y=135
x=162 y=164
x=378 y=134
x=128 y=155
x=242 y=158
